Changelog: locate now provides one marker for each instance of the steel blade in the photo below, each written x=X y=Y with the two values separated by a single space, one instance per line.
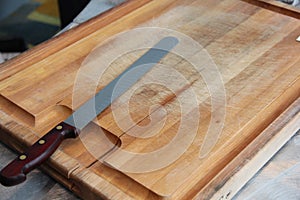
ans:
x=89 y=110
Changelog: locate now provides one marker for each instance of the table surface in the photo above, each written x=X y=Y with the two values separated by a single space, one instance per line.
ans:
x=278 y=179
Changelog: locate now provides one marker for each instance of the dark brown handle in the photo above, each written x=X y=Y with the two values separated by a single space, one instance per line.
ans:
x=15 y=172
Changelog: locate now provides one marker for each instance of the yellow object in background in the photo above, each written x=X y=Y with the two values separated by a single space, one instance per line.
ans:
x=47 y=12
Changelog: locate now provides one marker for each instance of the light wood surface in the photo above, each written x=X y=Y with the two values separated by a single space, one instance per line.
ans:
x=255 y=51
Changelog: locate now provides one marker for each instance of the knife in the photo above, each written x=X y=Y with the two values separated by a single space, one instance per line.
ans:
x=15 y=172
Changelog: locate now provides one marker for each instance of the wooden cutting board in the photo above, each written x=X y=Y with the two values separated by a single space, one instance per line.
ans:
x=234 y=71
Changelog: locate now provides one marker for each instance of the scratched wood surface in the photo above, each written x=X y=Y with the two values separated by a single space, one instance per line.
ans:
x=254 y=51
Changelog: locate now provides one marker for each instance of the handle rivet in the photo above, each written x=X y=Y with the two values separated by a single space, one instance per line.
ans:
x=42 y=142
x=59 y=127
x=22 y=157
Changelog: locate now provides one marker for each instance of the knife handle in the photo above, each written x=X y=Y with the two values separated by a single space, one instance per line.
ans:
x=15 y=172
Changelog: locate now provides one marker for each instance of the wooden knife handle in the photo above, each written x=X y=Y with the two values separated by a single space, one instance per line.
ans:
x=15 y=172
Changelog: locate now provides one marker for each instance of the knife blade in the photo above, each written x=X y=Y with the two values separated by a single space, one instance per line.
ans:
x=15 y=172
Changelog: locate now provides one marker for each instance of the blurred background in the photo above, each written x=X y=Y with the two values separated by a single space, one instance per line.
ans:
x=26 y=23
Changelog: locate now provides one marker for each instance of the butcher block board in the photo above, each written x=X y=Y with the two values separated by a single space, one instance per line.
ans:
x=188 y=125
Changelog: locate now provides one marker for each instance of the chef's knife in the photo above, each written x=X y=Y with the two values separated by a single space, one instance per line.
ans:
x=15 y=172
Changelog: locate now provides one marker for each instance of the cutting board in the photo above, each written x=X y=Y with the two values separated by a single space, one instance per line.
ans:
x=234 y=71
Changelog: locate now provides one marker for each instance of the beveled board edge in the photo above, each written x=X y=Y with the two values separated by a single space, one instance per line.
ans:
x=240 y=170
x=277 y=6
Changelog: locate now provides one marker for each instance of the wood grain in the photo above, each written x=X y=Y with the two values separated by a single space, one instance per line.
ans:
x=282 y=129
x=256 y=55
x=241 y=91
